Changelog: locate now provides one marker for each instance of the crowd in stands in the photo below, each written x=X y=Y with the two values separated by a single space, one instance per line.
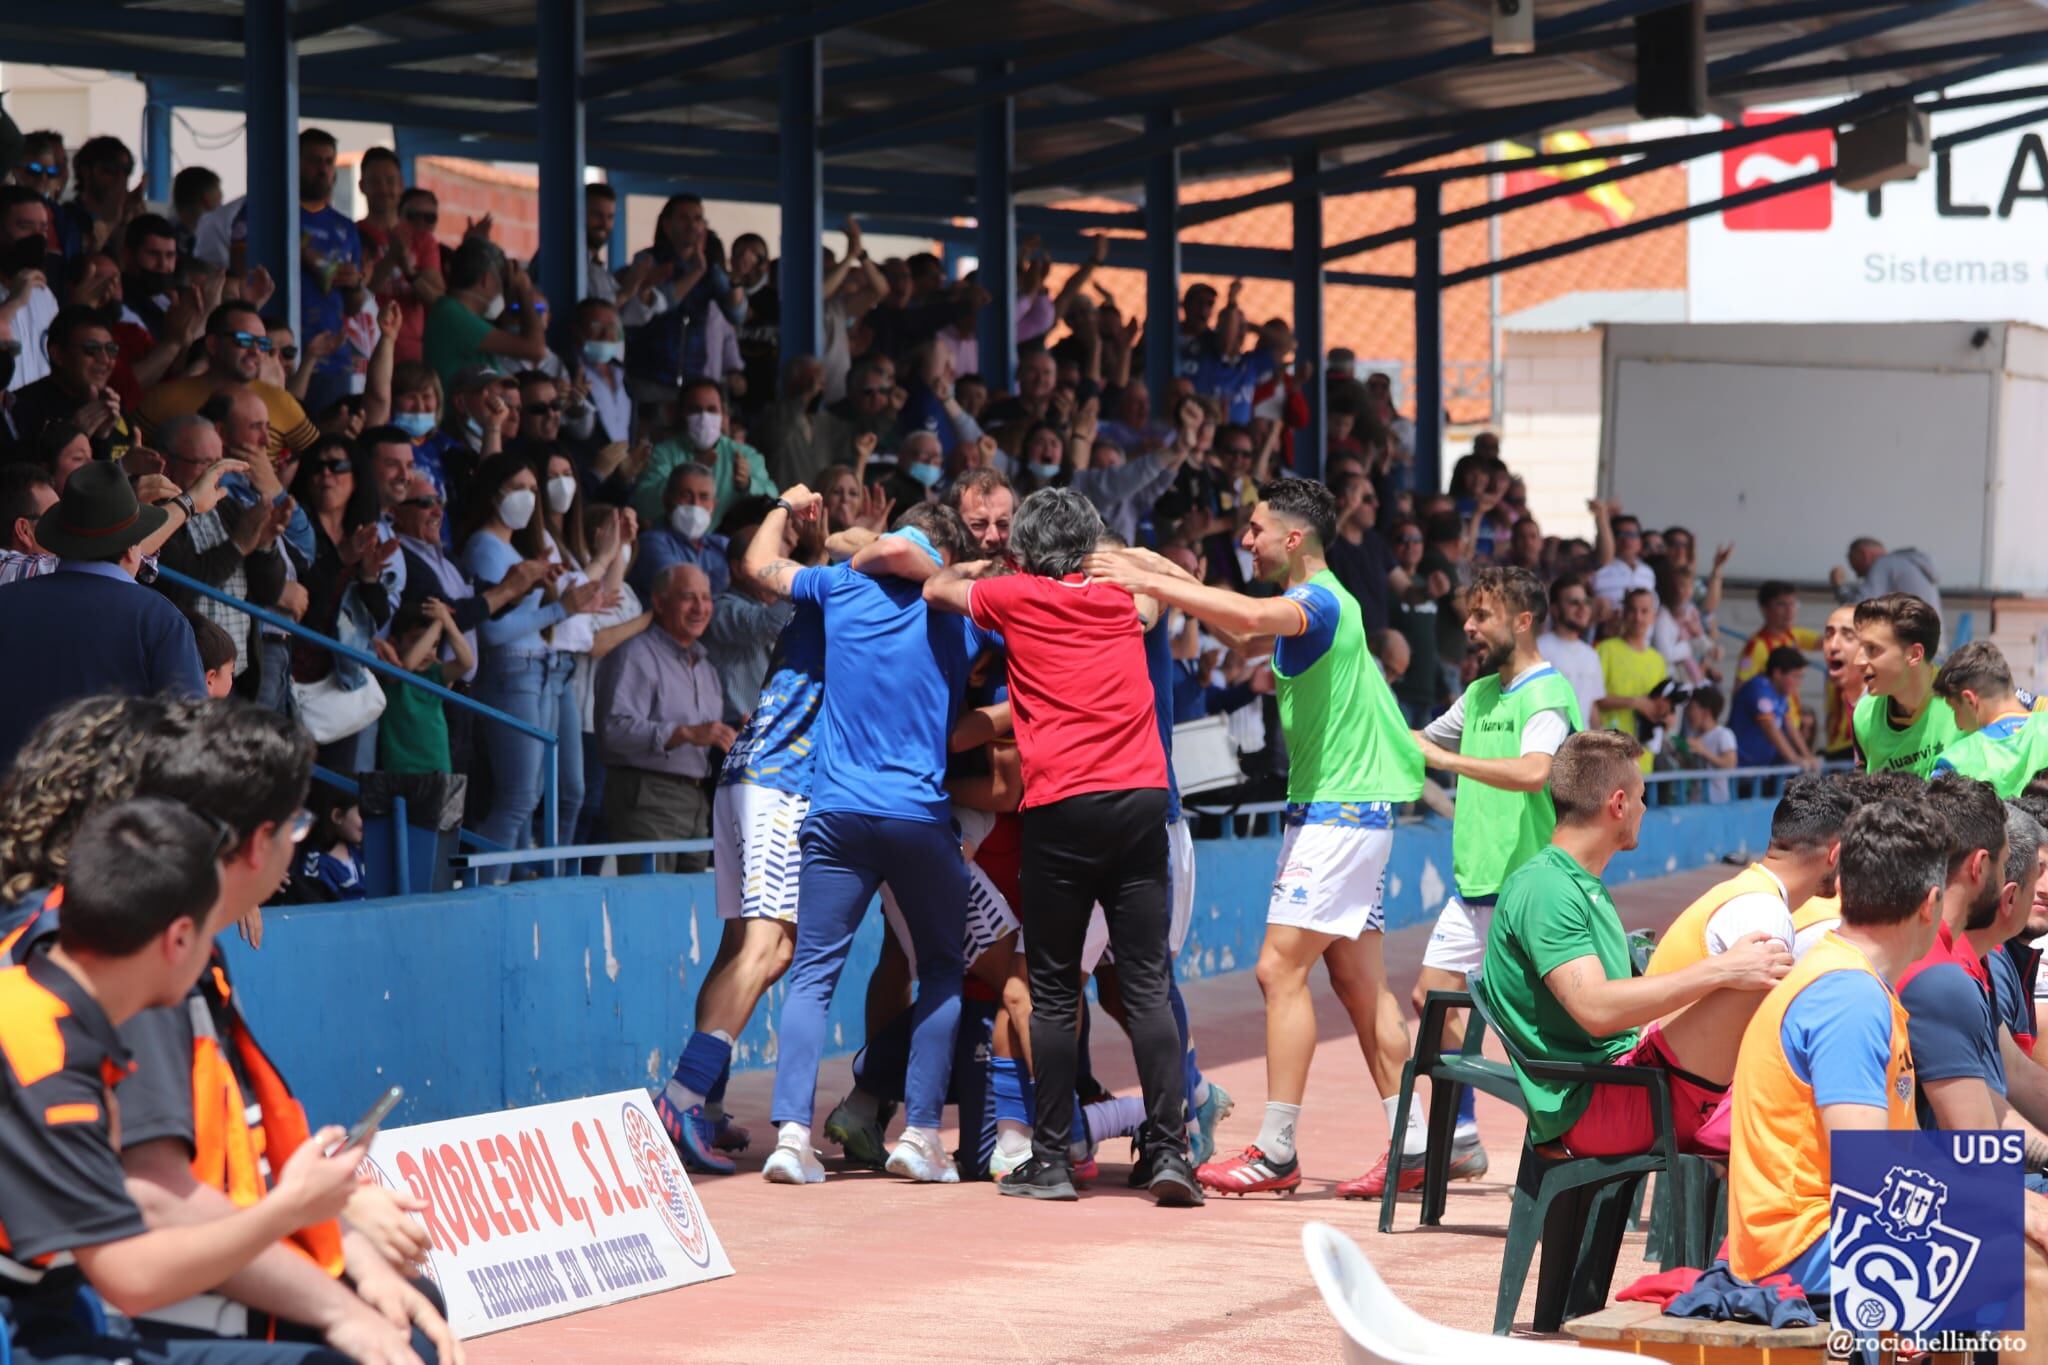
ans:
x=633 y=523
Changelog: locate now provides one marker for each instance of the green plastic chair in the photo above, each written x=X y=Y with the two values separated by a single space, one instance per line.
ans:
x=1577 y=1208
x=1448 y=1074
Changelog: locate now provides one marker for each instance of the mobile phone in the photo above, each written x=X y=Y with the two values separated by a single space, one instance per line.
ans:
x=366 y=1126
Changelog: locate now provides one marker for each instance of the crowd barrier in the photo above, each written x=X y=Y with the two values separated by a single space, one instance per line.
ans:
x=497 y=997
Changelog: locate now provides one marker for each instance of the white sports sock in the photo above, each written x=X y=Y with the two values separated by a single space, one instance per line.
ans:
x=1467 y=1131
x=1117 y=1116
x=796 y=1135
x=1416 y=1141
x=928 y=1138
x=1276 y=1132
x=680 y=1095
x=1013 y=1138
x=1200 y=1097
x=861 y=1104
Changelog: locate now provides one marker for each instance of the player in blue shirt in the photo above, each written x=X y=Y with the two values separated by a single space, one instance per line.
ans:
x=878 y=806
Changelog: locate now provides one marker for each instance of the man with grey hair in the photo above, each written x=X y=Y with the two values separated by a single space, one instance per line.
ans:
x=1874 y=571
x=659 y=716
x=232 y=548
x=1094 y=825
x=920 y=464
x=2012 y=963
x=684 y=534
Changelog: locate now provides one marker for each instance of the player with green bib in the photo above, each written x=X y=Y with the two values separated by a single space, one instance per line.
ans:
x=1899 y=726
x=1351 y=758
x=2003 y=740
x=1498 y=740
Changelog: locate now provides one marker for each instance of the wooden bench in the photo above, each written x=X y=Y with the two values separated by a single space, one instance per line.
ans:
x=1643 y=1329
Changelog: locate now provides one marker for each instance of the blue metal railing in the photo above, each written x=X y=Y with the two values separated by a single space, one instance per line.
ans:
x=550 y=789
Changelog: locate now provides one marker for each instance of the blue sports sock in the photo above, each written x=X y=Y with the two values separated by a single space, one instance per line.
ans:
x=705 y=1057
x=1191 y=1073
x=1006 y=1079
x=1468 y=1115
x=1079 y=1132
x=716 y=1094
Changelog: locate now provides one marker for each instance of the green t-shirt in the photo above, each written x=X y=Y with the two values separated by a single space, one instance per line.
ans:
x=412 y=734
x=1551 y=911
x=2007 y=753
x=454 y=338
x=1346 y=738
x=1497 y=831
x=1888 y=749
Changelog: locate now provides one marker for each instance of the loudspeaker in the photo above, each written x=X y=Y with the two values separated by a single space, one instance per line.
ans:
x=1514 y=26
x=1671 y=61
x=1894 y=145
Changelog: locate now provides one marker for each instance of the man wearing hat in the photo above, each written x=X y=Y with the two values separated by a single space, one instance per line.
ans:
x=90 y=627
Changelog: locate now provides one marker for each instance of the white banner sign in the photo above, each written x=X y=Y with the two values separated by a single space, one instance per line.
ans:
x=1966 y=241
x=537 y=1213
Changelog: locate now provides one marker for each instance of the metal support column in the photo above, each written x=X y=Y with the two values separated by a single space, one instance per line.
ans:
x=617 y=255
x=1429 y=338
x=995 y=214
x=1162 y=262
x=801 y=278
x=406 y=144
x=1311 y=441
x=156 y=144
x=560 y=110
x=270 y=59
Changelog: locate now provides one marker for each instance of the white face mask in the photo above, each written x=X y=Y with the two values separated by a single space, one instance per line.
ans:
x=689 y=521
x=494 y=308
x=515 y=509
x=625 y=556
x=561 y=493
x=704 y=429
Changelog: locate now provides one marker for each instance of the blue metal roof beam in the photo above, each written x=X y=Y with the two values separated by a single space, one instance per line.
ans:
x=682 y=62
x=1677 y=150
x=1676 y=216
x=145 y=23
x=884 y=125
x=1280 y=149
x=1346 y=85
x=1523 y=119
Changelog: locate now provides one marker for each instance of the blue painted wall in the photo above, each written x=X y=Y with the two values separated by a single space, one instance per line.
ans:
x=505 y=996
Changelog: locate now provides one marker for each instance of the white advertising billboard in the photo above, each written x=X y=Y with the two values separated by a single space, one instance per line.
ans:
x=1966 y=240
x=538 y=1212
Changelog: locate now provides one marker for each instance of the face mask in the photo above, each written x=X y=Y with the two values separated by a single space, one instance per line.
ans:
x=704 y=429
x=926 y=474
x=1044 y=473
x=419 y=425
x=561 y=493
x=474 y=428
x=603 y=352
x=689 y=521
x=515 y=509
x=494 y=308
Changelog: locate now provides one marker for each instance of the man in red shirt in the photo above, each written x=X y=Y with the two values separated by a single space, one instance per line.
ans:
x=1094 y=817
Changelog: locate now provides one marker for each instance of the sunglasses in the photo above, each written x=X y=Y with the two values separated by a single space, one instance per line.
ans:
x=426 y=504
x=1572 y=601
x=287 y=353
x=542 y=409
x=1628 y=535
x=98 y=348
x=1410 y=540
x=299 y=826
x=38 y=168
x=336 y=466
x=425 y=220
x=246 y=340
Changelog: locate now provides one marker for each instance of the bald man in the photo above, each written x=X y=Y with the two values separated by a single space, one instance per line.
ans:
x=659 y=713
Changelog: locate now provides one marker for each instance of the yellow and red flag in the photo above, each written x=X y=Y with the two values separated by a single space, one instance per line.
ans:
x=1608 y=200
